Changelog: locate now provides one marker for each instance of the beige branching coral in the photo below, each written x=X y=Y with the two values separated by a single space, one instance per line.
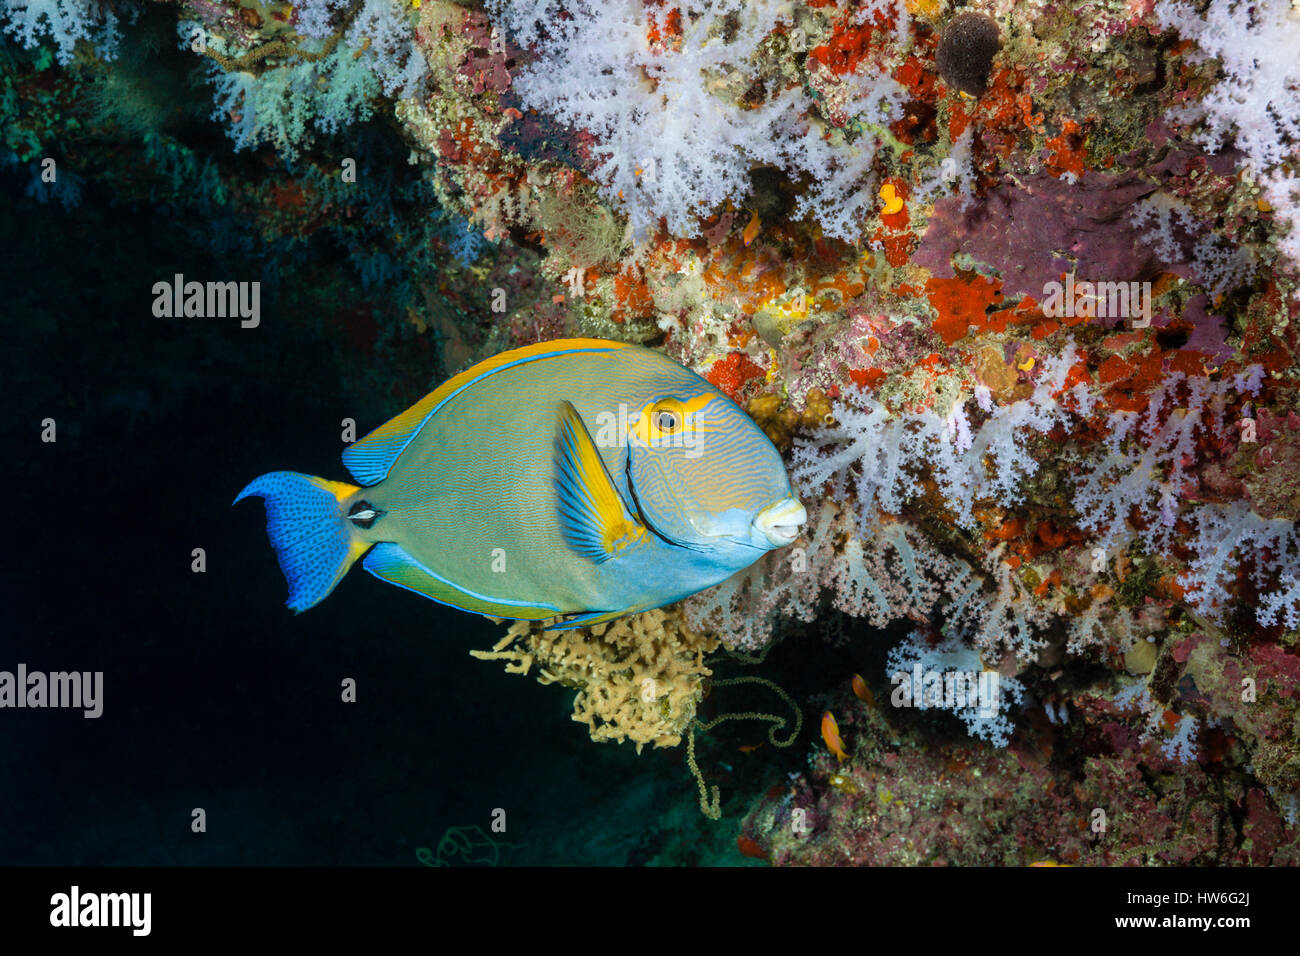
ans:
x=639 y=678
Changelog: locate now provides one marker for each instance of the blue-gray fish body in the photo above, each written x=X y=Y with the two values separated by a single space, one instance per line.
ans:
x=572 y=477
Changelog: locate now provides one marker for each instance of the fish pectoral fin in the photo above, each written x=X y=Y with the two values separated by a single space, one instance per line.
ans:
x=593 y=517
x=390 y=562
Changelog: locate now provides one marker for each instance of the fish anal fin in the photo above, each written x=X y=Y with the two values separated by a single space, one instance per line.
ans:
x=392 y=563
x=592 y=618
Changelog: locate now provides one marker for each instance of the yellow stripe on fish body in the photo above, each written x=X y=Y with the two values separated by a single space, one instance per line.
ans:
x=491 y=495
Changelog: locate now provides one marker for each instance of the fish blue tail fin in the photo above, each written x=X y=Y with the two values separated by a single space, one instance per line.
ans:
x=309 y=529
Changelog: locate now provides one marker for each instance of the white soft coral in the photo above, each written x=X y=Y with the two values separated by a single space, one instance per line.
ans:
x=63 y=21
x=1256 y=104
x=880 y=455
x=672 y=142
x=668 y=146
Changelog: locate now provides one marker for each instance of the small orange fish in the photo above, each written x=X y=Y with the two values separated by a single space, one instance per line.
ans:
x=751 y=231
x=831 y=734
x=861 y=691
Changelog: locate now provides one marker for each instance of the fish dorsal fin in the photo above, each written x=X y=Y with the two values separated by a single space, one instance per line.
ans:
x=593 y=517
x=371 y=459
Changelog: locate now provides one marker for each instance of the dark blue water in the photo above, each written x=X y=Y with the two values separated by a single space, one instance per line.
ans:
x=216 y=696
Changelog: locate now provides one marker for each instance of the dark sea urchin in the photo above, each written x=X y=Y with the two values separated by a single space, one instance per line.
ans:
x=966 y=52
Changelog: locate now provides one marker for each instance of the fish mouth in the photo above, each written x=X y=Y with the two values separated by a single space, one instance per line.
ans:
x=779 y=523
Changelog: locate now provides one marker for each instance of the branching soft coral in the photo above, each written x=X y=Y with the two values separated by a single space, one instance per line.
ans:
x=660 y=89
x=891 y=574
x=1143 y=469
x=284 y=106
x=325 y=90
x=377 y=31
x=1256 y=104
x=875 y=469
x=952 y=660
x=1143 y=475
x=895 y=572
x=1228 y=536
x=881 y=455
x=326 y=74
x=63 y=21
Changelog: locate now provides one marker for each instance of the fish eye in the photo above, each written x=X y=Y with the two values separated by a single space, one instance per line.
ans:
x=666 y=420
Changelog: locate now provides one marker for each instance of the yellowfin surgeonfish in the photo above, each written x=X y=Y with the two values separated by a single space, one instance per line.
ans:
x=574 y=477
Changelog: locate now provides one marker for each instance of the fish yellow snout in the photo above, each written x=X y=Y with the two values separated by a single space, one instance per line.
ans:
x=779 y=523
